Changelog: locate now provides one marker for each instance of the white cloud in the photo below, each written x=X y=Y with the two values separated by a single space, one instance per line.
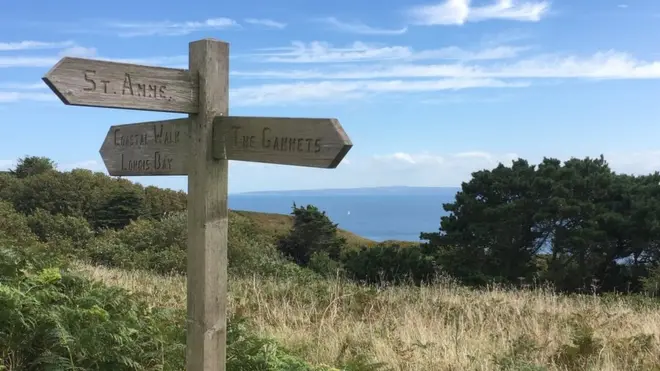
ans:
x=23 y=61
x=333 y=91
x=176 y=61
x=27 y=45
x=68 y=48
x=322 y=52
x=89 y=165
x=265 y=22
x=339 y=75
x=390 y=169
x=458 y=12
x=508 y=36
x=638 y=163
x=457 y=98
x=601 y=65
x=12 y=97
x=23 y=86
x=16 y=61
x=407 y=168
x=7 y=165
x=360 y=28
x=168 y=28
x=78 y=51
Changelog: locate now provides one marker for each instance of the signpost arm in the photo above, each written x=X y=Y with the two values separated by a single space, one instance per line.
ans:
x=207 y=212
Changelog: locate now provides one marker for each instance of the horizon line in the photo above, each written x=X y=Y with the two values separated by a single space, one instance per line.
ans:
x=339 y=189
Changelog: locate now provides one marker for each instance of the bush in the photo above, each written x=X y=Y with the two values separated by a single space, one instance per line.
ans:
x=161 y=246
x=8 y=187
x=389 y=264
x=156 y=245
x=651 y=284
x=14 y=227
x=161 y=202
x=321 y=263
x=62 y=229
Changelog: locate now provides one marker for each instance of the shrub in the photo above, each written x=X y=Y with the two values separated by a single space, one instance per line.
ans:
x=14 y=226
x=161 y=246
x=389 y=264
x=67 y=230
x=8 y=187
x=321 y=263
x=108 y=250
x=123 y=205
x=651 y=284
x=161 y=202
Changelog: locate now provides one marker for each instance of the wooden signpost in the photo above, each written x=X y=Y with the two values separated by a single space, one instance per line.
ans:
x=198 y=146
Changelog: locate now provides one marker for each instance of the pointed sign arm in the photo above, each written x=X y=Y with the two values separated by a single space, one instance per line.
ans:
x=97 y=83
x=310 y=142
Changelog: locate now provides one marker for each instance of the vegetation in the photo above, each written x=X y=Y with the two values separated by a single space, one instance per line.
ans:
x=577 y=225
x=92 y=277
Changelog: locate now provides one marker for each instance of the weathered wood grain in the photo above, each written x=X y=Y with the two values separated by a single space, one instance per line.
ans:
x=147 y=148
x=207 y=214
x=310 y=142
x=96 y=83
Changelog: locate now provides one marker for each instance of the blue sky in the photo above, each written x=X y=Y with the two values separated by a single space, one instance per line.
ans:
x=428 y=92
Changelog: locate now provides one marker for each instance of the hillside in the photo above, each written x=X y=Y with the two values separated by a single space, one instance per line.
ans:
x=273 y=225
x=365 y=191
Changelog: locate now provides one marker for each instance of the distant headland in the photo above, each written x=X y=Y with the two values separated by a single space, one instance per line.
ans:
x=364 y=191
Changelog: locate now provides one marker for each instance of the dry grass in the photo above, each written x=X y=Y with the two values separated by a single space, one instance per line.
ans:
x=440 y=327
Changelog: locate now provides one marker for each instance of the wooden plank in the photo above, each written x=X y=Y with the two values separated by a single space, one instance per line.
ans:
x=310 y=142
x=147 y=148
x=207 y=214
x=96 y=83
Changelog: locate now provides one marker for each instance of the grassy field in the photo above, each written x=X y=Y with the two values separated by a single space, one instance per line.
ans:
x=440 y=327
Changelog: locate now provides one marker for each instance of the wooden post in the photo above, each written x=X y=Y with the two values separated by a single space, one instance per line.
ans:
x=207 y=212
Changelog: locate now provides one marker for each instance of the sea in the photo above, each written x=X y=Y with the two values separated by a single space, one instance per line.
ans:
x=379 y=214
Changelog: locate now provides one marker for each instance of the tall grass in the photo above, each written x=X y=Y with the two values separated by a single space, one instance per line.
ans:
x=438 y=327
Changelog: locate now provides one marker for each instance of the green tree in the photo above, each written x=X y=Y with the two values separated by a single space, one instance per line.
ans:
x=32 y=165
x=124 y=204
x=490 y=231
x=160 y=202
x=576 y=224
x=54 y=192
x=312 y=232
